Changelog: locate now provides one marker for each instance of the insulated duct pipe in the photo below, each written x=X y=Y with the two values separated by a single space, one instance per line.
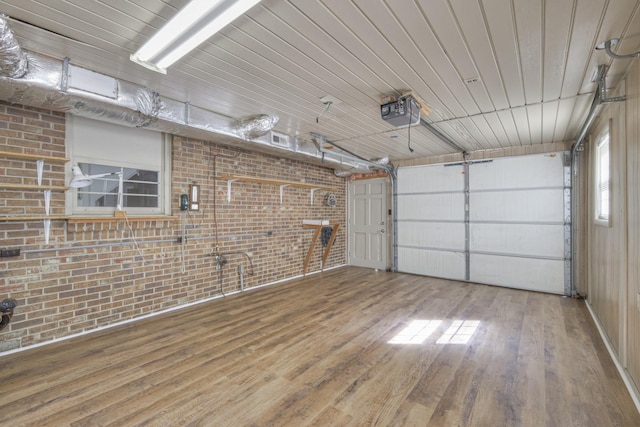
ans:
x=15 y=65
x=34 y=80
x=320 y=140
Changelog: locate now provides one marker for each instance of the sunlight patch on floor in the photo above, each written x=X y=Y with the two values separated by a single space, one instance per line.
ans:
x=460 y=332
x=417 y=332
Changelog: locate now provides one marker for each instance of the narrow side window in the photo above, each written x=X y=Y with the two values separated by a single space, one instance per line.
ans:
x=603 y=182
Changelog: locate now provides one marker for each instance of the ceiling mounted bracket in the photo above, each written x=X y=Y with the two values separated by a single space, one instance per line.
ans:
x=606 y=46
x=601 y=79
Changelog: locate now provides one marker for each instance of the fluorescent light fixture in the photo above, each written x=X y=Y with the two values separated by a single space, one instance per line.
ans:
x=195 y=23
x=81 y=180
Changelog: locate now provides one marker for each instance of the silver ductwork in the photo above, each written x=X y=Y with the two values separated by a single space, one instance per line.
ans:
x=35 y=80
x=14 y=63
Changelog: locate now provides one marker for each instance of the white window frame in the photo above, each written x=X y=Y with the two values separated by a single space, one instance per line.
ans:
x=82 y=147
x=602 y=174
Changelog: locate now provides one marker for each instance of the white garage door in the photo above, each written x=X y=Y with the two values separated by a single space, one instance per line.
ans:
x=500 y=222
x=431 y=221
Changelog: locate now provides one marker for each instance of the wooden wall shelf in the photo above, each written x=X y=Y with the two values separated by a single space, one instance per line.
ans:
x=32 y=218
x=78 y=220
x=36 y=187
x=283 y=184
x=82 y=220
x=25 y=156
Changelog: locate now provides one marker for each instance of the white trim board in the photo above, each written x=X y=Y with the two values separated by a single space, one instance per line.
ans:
x=633 y=391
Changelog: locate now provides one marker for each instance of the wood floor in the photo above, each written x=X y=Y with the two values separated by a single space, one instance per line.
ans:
x=316 y=351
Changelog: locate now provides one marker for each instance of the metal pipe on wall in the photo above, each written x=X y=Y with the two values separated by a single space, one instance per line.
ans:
x=599 y=99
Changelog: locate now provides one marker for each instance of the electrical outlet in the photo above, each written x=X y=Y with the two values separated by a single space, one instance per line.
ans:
x=9 y=252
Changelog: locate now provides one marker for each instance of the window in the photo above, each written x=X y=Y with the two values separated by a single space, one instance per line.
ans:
x=140 y=188
x=141 y=157
x=602 y=185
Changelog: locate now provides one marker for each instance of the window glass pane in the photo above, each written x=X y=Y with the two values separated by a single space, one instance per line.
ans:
x=140 y=187
x=602 y=178
x=140 y=201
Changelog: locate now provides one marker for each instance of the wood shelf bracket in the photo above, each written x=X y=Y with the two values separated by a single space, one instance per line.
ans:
x=314 y=240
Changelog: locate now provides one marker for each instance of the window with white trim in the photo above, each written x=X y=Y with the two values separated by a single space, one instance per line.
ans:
x=603 y=181
x=131 y=164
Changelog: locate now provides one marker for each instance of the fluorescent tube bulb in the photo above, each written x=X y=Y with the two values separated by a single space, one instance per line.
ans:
x=195 y=23
x=178 y=25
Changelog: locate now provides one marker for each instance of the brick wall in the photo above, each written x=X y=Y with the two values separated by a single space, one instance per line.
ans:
x=96 y=273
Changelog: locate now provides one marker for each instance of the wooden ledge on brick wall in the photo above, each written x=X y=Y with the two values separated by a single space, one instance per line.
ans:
x=121 y=217
x=33 y=218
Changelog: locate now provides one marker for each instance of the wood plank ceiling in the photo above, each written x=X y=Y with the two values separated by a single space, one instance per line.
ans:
x=496 y=73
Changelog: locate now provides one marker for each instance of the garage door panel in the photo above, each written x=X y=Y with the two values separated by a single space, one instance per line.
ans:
x=518 y=206
x=536 y=240
x=542 y=275
x=437 y=178
x=443 y=207
x=450 y=265
x=432 y=235
x=506 y=228
x=517 y=172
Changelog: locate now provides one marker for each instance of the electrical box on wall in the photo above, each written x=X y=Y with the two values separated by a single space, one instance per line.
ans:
x=402 y=112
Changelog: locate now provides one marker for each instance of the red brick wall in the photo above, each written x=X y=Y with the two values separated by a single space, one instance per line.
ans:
x=93 y=274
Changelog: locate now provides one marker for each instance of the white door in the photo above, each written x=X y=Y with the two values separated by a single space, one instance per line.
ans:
x=368 y=223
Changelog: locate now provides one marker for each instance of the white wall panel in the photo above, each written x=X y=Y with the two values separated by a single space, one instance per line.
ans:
x=426 y=262
x=523 y=273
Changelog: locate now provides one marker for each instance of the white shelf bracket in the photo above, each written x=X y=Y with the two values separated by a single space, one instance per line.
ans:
x=229 y=181
x=282 y=190
x=313 y=190
x=39 y=168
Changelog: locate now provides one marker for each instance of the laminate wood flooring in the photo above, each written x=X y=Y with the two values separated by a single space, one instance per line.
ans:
x=347 y=347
